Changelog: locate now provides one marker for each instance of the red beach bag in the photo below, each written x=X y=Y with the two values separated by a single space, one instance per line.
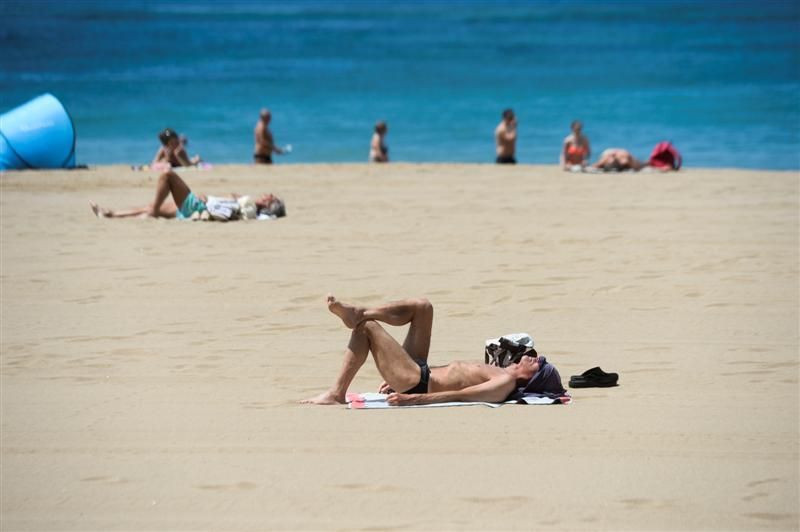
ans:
x=665 y=157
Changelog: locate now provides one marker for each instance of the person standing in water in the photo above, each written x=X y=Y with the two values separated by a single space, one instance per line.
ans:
x=264 y=143
x=378 y=151
x=505 y=136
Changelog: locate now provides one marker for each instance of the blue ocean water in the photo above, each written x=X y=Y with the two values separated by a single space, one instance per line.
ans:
x=721 y=79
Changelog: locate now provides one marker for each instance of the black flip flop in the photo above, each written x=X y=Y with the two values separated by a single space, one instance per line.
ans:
x=594 y=378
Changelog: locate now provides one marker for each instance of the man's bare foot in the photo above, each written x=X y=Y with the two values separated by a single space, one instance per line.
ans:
x=100 y=213
x=350 y=315
x=325 y=398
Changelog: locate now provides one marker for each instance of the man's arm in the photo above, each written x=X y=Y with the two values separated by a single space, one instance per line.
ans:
x=495 y=390
x=511 y=131
x=275 y=149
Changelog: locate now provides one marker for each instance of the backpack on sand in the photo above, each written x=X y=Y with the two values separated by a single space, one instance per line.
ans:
x=508 y=349
x=665 y=157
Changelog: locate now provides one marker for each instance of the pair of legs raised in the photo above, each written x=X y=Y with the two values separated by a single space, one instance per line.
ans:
x=168 y=183
x=395 y=362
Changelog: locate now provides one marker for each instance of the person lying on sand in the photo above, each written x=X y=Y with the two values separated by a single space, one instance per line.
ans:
x=617 y=159
x=405 y=367
x=170 y=183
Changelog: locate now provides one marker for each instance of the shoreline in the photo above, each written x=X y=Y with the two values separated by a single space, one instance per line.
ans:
x=124 y=168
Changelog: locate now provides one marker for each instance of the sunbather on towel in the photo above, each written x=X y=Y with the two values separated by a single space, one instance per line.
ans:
x=619 y=160
x=405 y=367
x=170 y=184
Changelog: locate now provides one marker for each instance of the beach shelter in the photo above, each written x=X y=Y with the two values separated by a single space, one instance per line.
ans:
x=37 y=134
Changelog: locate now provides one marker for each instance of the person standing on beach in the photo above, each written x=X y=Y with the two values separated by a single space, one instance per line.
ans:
x=378 y=151
x=505 y=136
x=264 y=143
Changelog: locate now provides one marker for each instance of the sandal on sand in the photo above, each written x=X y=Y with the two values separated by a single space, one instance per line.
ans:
x=593 y=378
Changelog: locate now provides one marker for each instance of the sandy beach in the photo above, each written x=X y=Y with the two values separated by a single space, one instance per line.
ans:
x=151 y=369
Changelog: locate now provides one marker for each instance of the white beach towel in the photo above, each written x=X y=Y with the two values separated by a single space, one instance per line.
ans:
x=378 y=400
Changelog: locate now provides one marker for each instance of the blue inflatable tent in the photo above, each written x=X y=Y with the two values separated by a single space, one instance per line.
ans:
x=37 y=134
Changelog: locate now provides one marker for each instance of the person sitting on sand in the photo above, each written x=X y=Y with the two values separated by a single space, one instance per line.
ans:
x=405 y=367
x=505 y=137
x=575 y=150
x=619 y=160
x=170 y=183
x=378 y=151
x=264 y=143
x=173 y=151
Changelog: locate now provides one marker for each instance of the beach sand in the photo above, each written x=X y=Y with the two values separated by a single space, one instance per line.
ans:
x=151 y=369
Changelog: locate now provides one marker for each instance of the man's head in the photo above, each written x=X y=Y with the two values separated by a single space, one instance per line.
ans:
x=381 y=127
x=265 y=115
x=271 y=204
x=169 y=138
x=545 y=379
x=508 y=115
x=526 y=368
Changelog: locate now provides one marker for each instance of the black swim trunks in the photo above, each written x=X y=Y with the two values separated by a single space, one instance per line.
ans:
x=424 y=377
x=506 y=159
x=262 y=159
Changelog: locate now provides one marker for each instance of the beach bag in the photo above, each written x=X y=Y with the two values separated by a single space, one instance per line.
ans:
x=508 y=349
x=665 y=157
x=247 y=208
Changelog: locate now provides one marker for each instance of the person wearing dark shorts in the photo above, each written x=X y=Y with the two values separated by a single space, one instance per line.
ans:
x=264 y=142
x=508 y=159
x=505 y=138
x=405 y=366
x=424 y=378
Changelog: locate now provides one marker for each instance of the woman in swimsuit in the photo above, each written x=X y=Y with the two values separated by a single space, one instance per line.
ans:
x=173 y=151
x=575 y=150
x=378 y=151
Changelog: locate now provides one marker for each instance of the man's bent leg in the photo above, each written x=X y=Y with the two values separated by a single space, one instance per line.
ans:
x=169 y=183
x=418 y=312
x=395 y=365
x=354 y=357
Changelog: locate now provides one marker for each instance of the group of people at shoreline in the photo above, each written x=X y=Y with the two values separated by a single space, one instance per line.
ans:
x=574 y=156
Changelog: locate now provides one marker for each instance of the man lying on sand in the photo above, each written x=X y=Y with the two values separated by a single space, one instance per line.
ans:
x=170 y=183
x=405 y=367
x=617 y=159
